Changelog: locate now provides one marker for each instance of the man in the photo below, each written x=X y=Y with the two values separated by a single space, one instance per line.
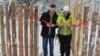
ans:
x=48 y=21
x=65 y=21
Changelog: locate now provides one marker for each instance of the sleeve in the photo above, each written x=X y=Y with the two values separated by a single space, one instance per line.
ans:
x=59 y=21
x=42 y=18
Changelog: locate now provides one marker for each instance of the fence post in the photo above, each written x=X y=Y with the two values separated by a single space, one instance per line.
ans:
x=36 y=31
x=31 y=29
x=25 y=5
x=2 y=30
x=20 y=28
x=9 y=51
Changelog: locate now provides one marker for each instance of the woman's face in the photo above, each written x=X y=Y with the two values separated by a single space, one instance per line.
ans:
x=66 y=13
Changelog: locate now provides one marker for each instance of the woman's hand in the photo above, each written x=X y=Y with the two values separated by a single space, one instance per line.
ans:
x=67 y=26
x=52 y=25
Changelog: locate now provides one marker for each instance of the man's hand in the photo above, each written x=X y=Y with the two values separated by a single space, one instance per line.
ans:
x=48 y=25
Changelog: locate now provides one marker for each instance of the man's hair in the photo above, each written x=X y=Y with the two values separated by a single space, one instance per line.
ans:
x=53 y=6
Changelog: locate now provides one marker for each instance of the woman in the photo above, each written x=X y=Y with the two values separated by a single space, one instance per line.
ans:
x=65 y=22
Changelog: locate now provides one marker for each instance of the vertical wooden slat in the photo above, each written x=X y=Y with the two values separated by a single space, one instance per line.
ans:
x=97 y=9
x=86 y=11
x=26 y=27
x=96 y=34
x=81 y=29
x=31 y=30
x=9 y=51
x=89 y=33
x=2 y=31
x=20 y=28
x=75 y=31
x=13 y=18
x=36 y=31
x=91 y=29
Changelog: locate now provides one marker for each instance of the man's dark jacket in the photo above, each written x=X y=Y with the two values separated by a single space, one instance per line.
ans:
x=46 y=17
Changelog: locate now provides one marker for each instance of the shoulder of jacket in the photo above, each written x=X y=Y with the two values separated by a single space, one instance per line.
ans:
x=44 y=13
x=61 y=14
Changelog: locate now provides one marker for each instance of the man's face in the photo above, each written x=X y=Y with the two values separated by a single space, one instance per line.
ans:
x=66 y=13
x=52 y=10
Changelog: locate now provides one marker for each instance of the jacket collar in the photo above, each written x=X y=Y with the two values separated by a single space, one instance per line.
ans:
x=49 y=14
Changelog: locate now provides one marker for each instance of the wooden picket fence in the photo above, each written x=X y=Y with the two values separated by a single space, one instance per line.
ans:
x=19 y=29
